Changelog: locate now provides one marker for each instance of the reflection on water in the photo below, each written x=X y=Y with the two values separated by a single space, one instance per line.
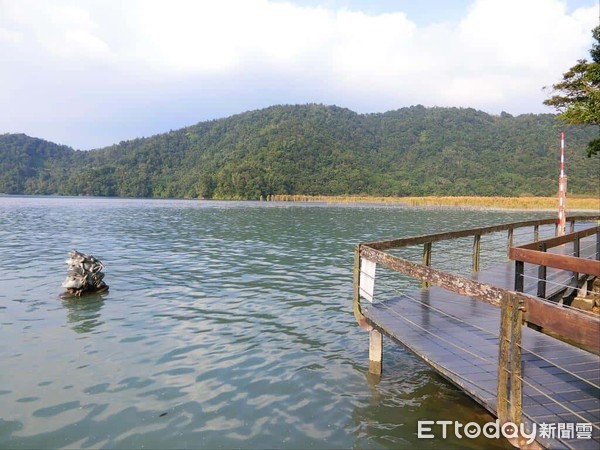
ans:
x=227 y=325
x=83 y=313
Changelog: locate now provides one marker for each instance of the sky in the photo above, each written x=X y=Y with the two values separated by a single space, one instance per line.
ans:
x=91 y=73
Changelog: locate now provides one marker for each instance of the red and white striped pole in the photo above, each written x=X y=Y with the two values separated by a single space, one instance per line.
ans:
x=562 y=189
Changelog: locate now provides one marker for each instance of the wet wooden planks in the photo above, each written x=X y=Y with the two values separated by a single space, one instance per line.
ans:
x=458 y=336
x=503 y=275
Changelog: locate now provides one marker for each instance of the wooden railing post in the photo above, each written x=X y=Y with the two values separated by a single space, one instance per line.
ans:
x=510 y=241
x=536 y=233
x=426 y=261
x=503 y=358
x=510 y=385
x=516 y=385
x=476 y=252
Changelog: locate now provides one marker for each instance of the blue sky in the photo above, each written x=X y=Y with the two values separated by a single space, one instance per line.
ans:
x=90 y=73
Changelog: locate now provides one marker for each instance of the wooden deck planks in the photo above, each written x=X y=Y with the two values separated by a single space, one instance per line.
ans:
x=458 y=336
x=503 y=275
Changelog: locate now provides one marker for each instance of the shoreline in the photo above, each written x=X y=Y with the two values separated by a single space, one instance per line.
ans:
x=529 y=203
x=474 y=202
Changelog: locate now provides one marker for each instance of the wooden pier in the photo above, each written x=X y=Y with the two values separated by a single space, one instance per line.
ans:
x=544 y=375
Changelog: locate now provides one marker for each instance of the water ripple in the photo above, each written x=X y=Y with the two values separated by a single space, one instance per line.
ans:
x=227 y=325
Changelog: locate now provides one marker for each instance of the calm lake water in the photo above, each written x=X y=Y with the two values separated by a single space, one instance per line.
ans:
x=227 y=325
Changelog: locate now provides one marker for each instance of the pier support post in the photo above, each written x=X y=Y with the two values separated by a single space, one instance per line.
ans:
x=375 y=352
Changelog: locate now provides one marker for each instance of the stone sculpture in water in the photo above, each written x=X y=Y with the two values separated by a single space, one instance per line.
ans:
x=84 y=275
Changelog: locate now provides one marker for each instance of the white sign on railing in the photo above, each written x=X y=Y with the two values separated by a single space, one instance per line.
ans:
x=367 y=279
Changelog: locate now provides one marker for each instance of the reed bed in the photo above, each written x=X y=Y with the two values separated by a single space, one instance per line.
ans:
x=578 y=203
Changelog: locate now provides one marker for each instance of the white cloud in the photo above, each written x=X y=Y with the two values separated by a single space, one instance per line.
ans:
x=523 y=34
x=64 y=31
x=186 y=35
x=10 y=37
x=197 y=59
x=370 y=48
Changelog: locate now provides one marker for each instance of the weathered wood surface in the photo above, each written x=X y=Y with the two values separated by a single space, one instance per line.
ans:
x=490 y=286
x=564 y=239
x=486 y=290
x=574 y=325
x=516 y=372
x=459 y=337
x=463 y=285
x=579 y=326
x=417 y=240
x=502 y=408
x=563 y=262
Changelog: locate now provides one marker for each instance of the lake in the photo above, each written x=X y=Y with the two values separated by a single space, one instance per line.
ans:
x=227 y=325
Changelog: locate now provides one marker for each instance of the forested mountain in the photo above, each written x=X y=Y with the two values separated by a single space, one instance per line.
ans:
x=316 y=149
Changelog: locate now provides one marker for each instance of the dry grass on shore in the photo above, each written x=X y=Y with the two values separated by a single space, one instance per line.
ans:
x=576 y=203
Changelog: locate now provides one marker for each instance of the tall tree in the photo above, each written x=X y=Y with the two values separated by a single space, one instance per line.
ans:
x=578 y=100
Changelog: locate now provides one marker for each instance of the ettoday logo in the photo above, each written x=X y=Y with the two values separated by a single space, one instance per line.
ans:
x=430 y=429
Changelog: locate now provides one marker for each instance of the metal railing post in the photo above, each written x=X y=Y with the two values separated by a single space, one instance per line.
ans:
x=519 y=279
x=576 y=252
x=541 y=287
x=476 y=252
x=426 y=261
x=576 y=246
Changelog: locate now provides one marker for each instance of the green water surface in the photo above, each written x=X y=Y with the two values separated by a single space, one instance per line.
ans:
x=227 y=325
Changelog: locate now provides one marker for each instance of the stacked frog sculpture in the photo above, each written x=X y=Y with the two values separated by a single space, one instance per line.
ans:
x=84 y=275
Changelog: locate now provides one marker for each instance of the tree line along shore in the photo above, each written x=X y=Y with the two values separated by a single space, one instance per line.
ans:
x=317 y=150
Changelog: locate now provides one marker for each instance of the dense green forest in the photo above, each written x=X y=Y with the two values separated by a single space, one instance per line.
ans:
x=316 y=150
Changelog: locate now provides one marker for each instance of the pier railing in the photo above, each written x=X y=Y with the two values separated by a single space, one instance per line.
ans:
x=538 y=253
x=517 y=306
x=571 y=324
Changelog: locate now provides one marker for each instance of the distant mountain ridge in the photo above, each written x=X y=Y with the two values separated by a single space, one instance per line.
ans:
x=315 y=150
